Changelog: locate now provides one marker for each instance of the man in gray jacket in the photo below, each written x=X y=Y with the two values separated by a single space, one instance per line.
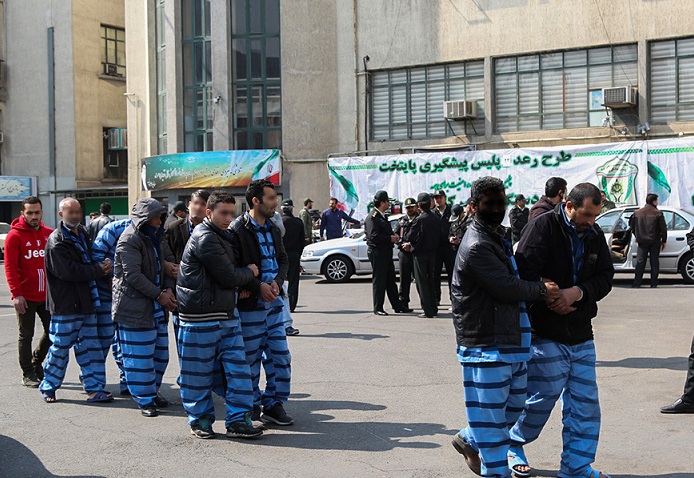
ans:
x=142 y=297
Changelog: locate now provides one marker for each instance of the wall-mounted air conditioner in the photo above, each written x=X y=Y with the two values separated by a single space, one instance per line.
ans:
x=459 y=110
x=620 y=97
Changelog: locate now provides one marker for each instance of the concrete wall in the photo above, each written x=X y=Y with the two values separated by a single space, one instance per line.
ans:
x=26 y=114
x=99 y=100
x=397 y=34
x=141 y=88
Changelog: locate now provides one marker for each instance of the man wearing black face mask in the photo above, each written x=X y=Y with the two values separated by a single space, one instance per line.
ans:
x=493 y=331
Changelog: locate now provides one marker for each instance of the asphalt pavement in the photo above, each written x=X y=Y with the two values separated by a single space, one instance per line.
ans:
x=371 y=397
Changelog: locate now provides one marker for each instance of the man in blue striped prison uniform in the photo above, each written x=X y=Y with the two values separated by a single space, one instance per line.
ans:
x=176 y=236
x=142 y=297
x=105 y=247
x=257 y=240
x=492 y=331
x=567 y=247
x=209 y=332
x=73 y=299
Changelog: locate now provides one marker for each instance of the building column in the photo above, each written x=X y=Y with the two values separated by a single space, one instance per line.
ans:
x=488 y=97
x=221 y=76
x=174 y=76
x=642 y=79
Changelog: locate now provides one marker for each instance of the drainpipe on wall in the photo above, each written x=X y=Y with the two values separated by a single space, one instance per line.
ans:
x=52 y=168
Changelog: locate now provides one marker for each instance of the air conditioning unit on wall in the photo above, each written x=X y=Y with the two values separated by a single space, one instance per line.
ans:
x=459 y=110
x=620 y=97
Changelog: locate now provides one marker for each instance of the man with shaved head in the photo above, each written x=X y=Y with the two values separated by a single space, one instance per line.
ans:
x=72 y=298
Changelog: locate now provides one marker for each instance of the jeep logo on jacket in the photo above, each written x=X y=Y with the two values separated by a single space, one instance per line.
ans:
x=25 y=269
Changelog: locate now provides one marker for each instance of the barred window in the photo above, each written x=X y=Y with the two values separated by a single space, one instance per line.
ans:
x=408 y=103
x=672 y=80
x=112 y=51
x=559 y=90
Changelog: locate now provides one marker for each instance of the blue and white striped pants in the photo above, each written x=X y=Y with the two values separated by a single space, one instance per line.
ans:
x=494 y=398
x=106 y=331
x=78 y=331
x=206 y=349
x=263 y=333
x=567 y=372
x=145 y=353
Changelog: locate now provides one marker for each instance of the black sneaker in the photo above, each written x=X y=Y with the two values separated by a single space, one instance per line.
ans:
x=160 y=401
x=291 y=331
x=30 y=381
x=276 y=415
x=243 y=429
x=255 y=418
x=202 y=429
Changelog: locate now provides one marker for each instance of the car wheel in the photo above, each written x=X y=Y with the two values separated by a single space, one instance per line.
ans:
x=338 y=269
x=687 y=268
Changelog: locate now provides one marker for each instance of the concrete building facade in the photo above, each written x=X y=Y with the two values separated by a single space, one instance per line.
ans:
x=372 y=75
x=65 y=111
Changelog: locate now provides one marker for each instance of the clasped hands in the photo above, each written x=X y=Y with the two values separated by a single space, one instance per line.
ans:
x=268 y=292
x=560 y=301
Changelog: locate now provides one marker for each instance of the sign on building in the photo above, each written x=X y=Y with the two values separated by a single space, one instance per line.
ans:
x=211 y=169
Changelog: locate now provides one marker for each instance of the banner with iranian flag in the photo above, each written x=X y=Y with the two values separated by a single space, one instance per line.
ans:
x=211 y=169
x=625 y=171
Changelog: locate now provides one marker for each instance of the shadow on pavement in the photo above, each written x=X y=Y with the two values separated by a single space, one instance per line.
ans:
x=670 y=363
x=340 y=312
x=18 y=460
x=650 y=475
x=319 y=431
x=347 y=335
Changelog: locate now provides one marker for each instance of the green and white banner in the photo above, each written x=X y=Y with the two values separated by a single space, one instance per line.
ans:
x=626 y=171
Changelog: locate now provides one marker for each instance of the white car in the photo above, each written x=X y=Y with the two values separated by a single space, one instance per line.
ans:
x=340 y=259
x=4 y=229
x=675 y=258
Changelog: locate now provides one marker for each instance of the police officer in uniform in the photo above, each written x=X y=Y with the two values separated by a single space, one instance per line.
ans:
x=380 y=239
x=423 y=241
x=445 y=255
x=405 y=257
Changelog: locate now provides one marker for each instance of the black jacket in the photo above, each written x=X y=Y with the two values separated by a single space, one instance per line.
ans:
x=67 y=277
x=485 y=291
x=545 y=251
x=208 y=276
x=294 y=239
x=518 y=218
x=540 y=207
x=403 y=229
x=378 y=231
x=176 y=236
x=425 y=234
x=247 y=249
x=445 y=224
x=136 y=270
x=648 y=225
x=98 y=224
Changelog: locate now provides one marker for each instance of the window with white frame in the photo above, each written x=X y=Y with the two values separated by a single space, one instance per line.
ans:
x=558 y=90
x=672 y=80
x=408 y=103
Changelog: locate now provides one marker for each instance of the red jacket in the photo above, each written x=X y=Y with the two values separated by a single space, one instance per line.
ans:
x=24 y=260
